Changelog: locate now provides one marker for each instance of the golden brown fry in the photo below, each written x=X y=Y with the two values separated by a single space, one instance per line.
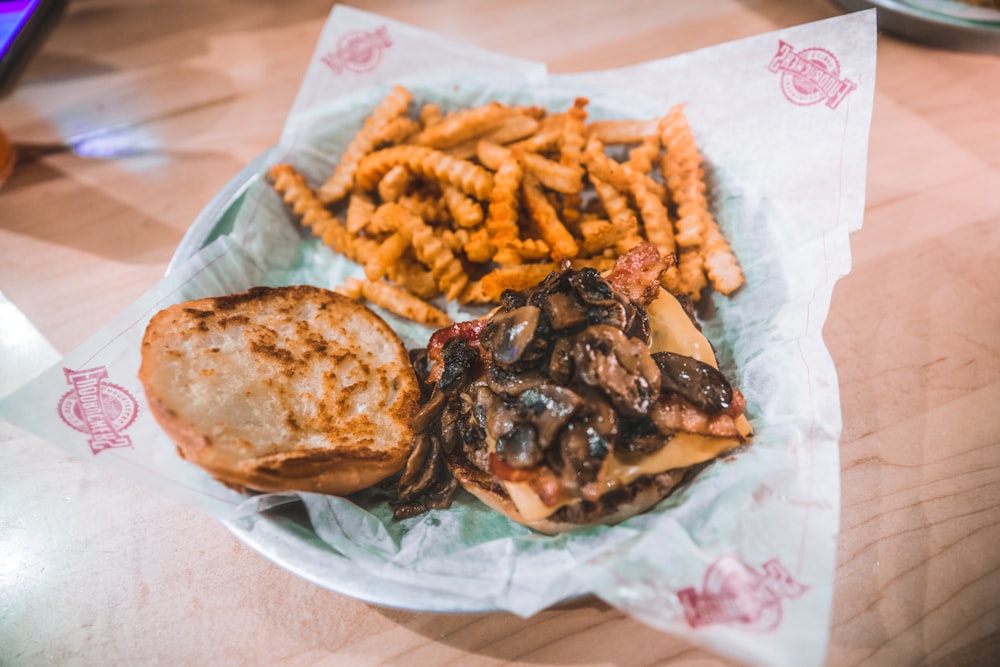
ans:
x=501 y=220
x=351 y=289
x=465 y=212
x=640 y=158
x=404 y=304
x=572 y=140
x=426 y=206
x=389 y=252
x=691 y=273
x=293 y=189
x=512 y=128
x=430 y=114
x=656 y=222
x=600 y=166
x=523 y=276
x=428 y=162
x=459 y=126
x=394 y=184
x=681 y=168
x=621 y=131
x=517 y=278
x=396 y=131
x=613 y=201
x=388 y=218
x=550 y=228
x=478 y=247
x=720 y=262
x=431 y=248
x=547 y=137
x=392 y=106
x=473 y=293
x=514 y=251
x=598 y=234
x=570 y=152
x=415 y=278
x=551 y=174
x=360 y=208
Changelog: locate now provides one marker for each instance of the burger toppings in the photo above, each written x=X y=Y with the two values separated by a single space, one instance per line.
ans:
x=558 y=395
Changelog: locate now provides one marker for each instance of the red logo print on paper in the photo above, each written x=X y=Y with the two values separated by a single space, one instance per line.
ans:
x=98 y=408
x=358 y=51
x=736 y=594
x=810 y=76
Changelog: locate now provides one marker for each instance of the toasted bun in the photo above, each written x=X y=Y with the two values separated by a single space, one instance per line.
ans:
x=281 y=389
x=612 y=508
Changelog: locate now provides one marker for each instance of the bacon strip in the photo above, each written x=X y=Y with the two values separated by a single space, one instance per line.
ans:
x=637 y=273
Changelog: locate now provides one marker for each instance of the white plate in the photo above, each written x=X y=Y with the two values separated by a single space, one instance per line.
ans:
x=943 y=23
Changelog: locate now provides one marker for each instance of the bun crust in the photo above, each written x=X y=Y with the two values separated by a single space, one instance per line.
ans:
x=282 y=389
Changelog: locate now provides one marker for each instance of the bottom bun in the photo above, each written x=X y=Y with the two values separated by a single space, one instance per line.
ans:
x=611 y=508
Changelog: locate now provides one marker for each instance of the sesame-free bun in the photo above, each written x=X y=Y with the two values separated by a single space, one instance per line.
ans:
x=282 y=389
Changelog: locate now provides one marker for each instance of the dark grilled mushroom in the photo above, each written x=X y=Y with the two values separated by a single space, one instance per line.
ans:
x=459 y=358
x=502 y=381
x=622 y=367
x=702 y=385
x=564 y=309
x=519 y=446
x=549 y=408
x=420 y=467
x=512 y=337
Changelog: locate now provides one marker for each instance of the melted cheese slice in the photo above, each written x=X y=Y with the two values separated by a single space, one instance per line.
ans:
x=672 y=331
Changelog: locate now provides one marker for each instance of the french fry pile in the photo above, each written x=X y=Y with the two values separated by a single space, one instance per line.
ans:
x=468 y=204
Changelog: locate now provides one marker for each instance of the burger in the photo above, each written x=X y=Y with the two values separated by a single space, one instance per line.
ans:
x=584 y=400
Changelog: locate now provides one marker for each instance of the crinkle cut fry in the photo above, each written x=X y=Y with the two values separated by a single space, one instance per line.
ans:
x=502 y=213
x=550 y=227
x=600 y=166
x=294 y=190
x=468 y=177
x=720 y=261
x=466 y=212
x=551 y=174
x=655 y=220
x=515 y=127
x=521 y=277
x=430 y=248
x=360 y=208
x=640 y=158
x=392 y=106
x=395 y=300
x=681 y=168
x=570 y=153
x=696 y=227
x=621 y=131
x=458 y=126
x=394 y=184
x=690 y=273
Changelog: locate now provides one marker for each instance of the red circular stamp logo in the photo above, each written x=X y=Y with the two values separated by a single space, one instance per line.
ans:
x=101 y=409
x=810 y=76
x=358 y=51
x=734 y=593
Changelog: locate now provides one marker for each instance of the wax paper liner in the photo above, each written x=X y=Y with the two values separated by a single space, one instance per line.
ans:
x=740 y=561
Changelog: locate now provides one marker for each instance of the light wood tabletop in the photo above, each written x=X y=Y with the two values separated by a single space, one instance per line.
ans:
x=136 y=112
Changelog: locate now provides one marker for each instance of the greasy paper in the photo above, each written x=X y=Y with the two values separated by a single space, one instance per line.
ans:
x=742 y=560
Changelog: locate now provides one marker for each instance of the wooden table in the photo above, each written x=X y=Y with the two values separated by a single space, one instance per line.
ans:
x=96 y=570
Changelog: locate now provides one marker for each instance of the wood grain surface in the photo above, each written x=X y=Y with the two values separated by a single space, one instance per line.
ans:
x=95 y=570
